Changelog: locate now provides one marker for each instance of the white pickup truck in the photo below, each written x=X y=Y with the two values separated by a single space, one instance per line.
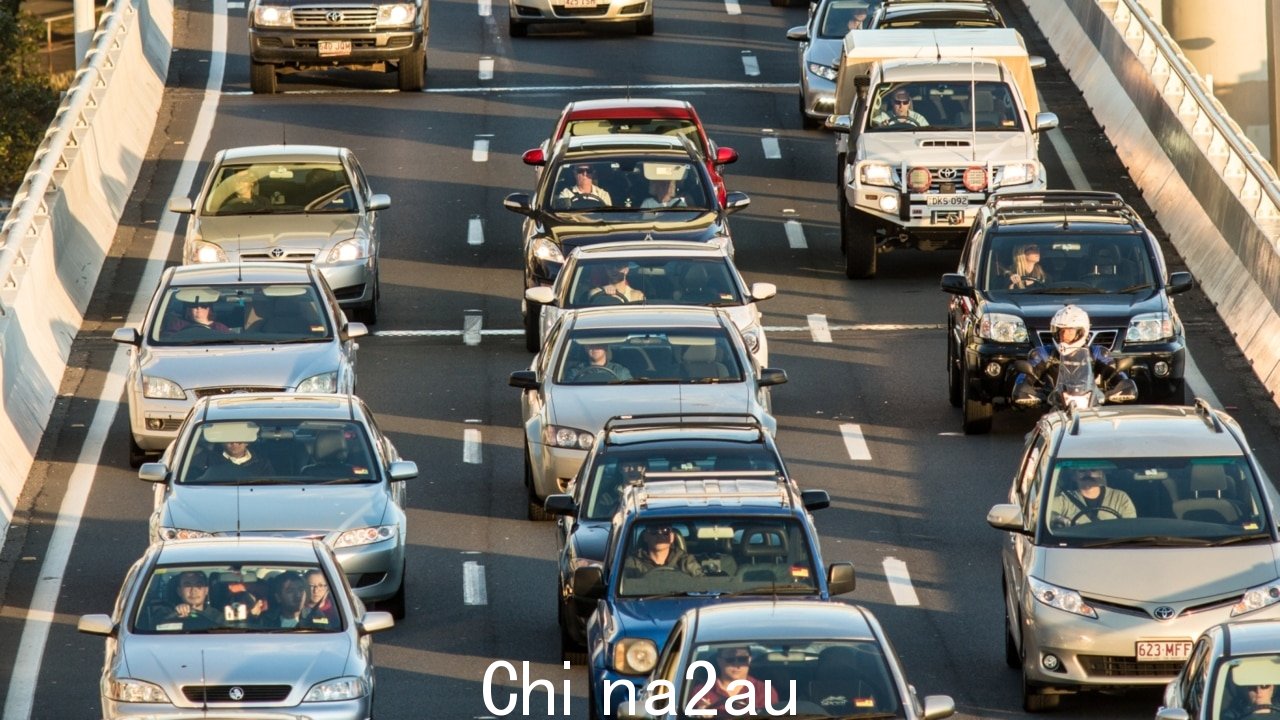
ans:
x=930 y=123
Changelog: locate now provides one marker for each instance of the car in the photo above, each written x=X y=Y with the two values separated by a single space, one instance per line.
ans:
x=656 y=116
x=823 y=659
x=1095 y=253
x=523 y=13
x=1233 y=670
x=313 y=466
x=1129 y=530
x=667 y=273
x=233 y=658
x=287 y=35
x=628 y=448
x=665 y=359
x=271 y=327
x=733 y=539
x=559 y=217
x=310 y=204
x=933 y=14
x=821 y=48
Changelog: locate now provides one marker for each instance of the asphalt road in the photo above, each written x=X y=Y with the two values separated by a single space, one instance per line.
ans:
x=920 y=499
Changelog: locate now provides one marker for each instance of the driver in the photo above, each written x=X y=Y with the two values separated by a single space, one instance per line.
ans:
x=1027 y=271
x=897 y=111
x=658 y=549
x=1090 y=500
x=199 y=314
x=584 y=186
x=617 y=289
x=598 y=362
x=1254 y=703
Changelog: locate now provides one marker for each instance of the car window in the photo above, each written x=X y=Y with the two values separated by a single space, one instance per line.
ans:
x=1027 y=474
x=627 y=184
x=836 y=21
x=682 y=127
x=1236 y=677
x=235 y=314
x=607 y=357
x=291 y=452
x=236 y=598
x=616 y=469
x=275 y=188
x=984 y=106
x=678 y=281
x=1079 y=262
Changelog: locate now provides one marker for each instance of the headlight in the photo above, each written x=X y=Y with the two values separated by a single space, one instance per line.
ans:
x=751 y=336
x=1061 y=598
x=397 y=14
x=352 y=249
x=272 y=16
x=876 y=173
x=322 y=383
x=157 y=388
x=1150 y=327
x=133 y=691
x=1018 y=174
x=361 y=536
x=546 y=250
x=567 y=437
x=634 y=656
x=343 y=688
x=207 y=252
x=823 y=71
x=171 y=533
x=1257 y=598
x=1002 y=328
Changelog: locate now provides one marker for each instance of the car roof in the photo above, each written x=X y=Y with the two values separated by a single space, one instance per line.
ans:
x=237 y=549
x=282 y=153
x=1063 y=224
x=914 y=69
x=649 y=248
x=957 y=7
x=1252 y=637
x=623 y=143
x=713 y=495
x=676 y=433
x=243 y=273
x=626 y=108
x=278 y=406
x=645 y=317
x=768 y=621
x=1145 y=430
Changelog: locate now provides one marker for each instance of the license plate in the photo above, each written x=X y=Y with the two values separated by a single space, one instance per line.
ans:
x=946 y=200
x=580 y=3
x=1162 y=650
x=333 y=48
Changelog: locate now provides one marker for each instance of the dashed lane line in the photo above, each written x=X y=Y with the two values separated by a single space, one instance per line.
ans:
x=819 y=330
x=772 y=151
x=472 y=442
x=486 y=68
x=895 y=573
x=795 y=234
x=474 y=591
x=750 y=64
x=480 y=149
x=732 y=7
x=472 y=326
x=475 y=231
x=854 y=442
x=485 y=8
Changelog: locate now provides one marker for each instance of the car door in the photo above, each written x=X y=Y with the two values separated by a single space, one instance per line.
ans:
x=368 y=218
x=1018 y=547
x=962 y=309
x=347 y=346
x=533 y=402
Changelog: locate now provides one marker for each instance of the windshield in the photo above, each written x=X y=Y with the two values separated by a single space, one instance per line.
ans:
x=682 y=127
x=276 y=188
x=1106 y=263
x=809 y=678
x=607 y=479
x=236 y=598
x=840 y=17
x=1245 y=685
x=238 y=314
x=1164 y=500
x=985 y=106
x=288 y=452
x=716 y=555
x=680 y=281
x=628 y=184
x=610 y=357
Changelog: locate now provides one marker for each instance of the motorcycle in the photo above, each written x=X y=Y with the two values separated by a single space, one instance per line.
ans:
x=1075 y=385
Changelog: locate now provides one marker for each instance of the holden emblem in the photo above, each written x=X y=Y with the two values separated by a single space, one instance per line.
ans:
x=236 y=693
x=277 y=252
x=1164 y=612
x=334 y=16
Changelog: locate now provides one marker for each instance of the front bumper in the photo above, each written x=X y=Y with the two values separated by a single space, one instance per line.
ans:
x=553 y=467
x=819 y=95
x=284 y=46
x=892 y=211
x=352 y=281
x=545 y=11
x=375 y=571
x=358 y=709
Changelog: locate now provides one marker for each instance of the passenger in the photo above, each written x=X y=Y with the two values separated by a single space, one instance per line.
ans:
x=662 y=193
x=584 y=186
x=289 y=603
x=599 y=366
x=618 y=289
x=199 y=316
x=192 y=609
x=1090 y=500
x=733 y=677
x=658 y=550
x=1027 y=271
x=320 y=605
x=897 y=111
x=237 y=462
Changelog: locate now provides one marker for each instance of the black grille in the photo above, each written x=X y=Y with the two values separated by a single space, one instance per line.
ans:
x=356 y=43
x=351 y=292
x=1105 y=338
x=335 y=17
x=360 y=580
x=602 y=9
x=206 y=392
x=1116 y=666
x=305 y=256
x=222 y=693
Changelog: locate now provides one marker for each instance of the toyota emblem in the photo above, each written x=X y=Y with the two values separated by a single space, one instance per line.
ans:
x=947 y=173
x=334 y=16
x=236 y=693
x=1164 y=612
x=277 y=252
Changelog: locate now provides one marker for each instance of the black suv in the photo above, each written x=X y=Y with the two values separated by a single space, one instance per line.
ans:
x=1094 y=252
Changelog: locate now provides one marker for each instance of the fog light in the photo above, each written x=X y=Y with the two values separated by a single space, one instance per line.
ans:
x=155 y=423
x=1161 y=369
x=994 y=369
x=1051 y=663
x=889 y=203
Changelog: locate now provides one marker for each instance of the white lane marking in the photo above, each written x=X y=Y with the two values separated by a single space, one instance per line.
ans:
x=1197 y=383
x=750 y=65
x=854 y=443
x=795 y=234
x=44 y=601
x=732 y=7
x=895 y=573
x=472 y=323
x=474 y=591
x=480 y=150
x=485 y=8
x=818 y=328
x=863 y=327
x=772 y=151
x=475 y=231
x=486 y=68
x=471 y=444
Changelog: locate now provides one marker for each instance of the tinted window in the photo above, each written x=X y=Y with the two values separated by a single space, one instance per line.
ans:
x=984 y=106
x=628 y=183
x=231 y=314
x=1104 y=263
x=684 y=356
x=222 y=598
x=293 y=452
x=680 y=281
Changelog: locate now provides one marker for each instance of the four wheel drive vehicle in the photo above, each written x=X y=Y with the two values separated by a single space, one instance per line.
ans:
x=1094 y=252
x=1232 y=672
x=666 y=273
x=218 y=329
x=932 y=14
x=630 y=116
x=291 y=204
x=600 y=362
x=725 y=541
x=599 y=188
x=631 y=449
x=524 y=13
x=1130 y=530
x=240 y=655
x=288 y=35
x=311 y=466
x=823 y=659
x=939 y=120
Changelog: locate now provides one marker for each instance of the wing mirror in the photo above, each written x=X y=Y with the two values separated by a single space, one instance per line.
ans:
x=379 y=202
x=154 y=472
x=540 y=295
x=957 y=284
x=726 y=156
x=1046 y=121
x=736 y=201
x=376 y=621
x=96 y=625
x=130 y=336
x=1179 y=282
x=518 y=203
x=763 y=291
x=839 y=123
x=181 y=205
x=403 y=470
x=840 y=578
x=772 y=376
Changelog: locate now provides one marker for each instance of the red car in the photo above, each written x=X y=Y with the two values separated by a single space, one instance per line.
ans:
x=621 y=115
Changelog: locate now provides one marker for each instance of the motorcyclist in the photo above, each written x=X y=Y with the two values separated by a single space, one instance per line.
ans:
x=1070 y=328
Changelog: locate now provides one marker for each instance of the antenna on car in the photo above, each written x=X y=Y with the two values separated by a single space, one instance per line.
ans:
x=973 y=109
x=239 y=260
x=284 y=133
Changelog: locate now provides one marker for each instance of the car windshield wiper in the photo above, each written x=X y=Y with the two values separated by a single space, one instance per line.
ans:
x=1136 y=288
x=342 y=481
x=1234 y=539
x=788 y=589
x=267 y=481
x=666 y=595
x=1150 y=541
x=1073 y=290
x=295 y=340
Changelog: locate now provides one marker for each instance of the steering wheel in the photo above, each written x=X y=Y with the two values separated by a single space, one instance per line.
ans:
x=585 y=202
x=601 y=372
x=1095 y=512
x=898 y=120
x=605 y=298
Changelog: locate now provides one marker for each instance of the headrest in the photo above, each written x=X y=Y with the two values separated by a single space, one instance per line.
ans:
x=1209 y=478
x=700 y=354
x=696 y=275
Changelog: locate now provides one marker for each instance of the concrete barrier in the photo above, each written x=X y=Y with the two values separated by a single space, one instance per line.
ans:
x=64 y=218
x=1214 y=194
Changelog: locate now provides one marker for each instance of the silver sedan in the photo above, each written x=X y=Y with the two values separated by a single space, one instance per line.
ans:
x=821 y=47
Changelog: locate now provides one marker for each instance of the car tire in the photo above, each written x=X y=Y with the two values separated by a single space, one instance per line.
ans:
x=532 y=331
x=840 y=158
x=412 y=72
x=859 y=247
x=517 y=29
x=1034 y=699
x=644 y=26
x=396 y=604
x=137 y=455
x=1012 y=657
x=370 y=312
x=955 y=379
x=977 y=414
x=570 y=651
x=806 y=122
x=535 y=511
x=262 y=78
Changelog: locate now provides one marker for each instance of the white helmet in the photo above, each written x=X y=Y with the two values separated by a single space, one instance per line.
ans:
x=1073 y=318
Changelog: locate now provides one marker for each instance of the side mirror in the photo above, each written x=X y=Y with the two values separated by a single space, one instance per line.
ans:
x=403 y=470
x=130 y=336
x=376 y=621
x=379 y=201
x=540 y=295
x=957 y=284
x=840 y=579
x=96 y=625
x=1046 y=121
x=1179 y=282
x=534 y=157
x=1006 y=516
x=560 y=504
x=815 y=499
x=181 y=205
x=524 y=379
x=1165 y=713
x=799 y=33
x=772 y=376
x=839 y=123
x=588 y=582
x=763 y=291
x=736 y=201
x=726 y=156
x=1037 y=62
x=355 y=330
x=937 y=707
x=154 y=472
x=518 y=203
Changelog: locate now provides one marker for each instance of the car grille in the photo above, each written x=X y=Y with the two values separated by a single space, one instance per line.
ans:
x=356 y=44
x=601 y=9
x=947 y=185
x=1105 y=338
x=1127 y=667
x=222 y=693
x=206 y=392
x=300 y=256
x=324 y=17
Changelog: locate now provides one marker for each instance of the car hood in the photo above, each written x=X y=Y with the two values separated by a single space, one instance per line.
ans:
x=298 y=660
x=587 y=407
x=265 y=366
x=1105 y=310
x=1158 y=575
x=934 y=147
x=654 y=618
x=572 y=230
x=292 y=231
x=286 y=509
x=589 y=539
x=826 y=52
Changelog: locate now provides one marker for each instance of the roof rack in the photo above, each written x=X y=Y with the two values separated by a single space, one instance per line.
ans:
x=654 y=420
x=776 y=487
x=1065 y=203
x=1207 y=414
